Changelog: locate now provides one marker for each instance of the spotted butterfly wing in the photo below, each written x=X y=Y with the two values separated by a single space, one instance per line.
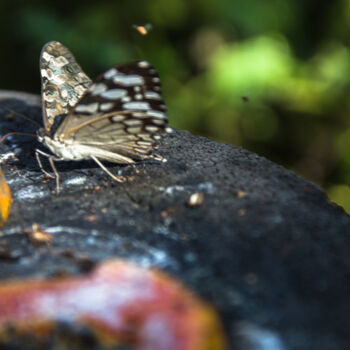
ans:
x=120 y=115
x=117 y=118
x=63 y=82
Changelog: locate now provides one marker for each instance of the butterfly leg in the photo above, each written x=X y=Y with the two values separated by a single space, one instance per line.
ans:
x=37 y=152
x=51 y=160
x=117 y=178
x=57 y=175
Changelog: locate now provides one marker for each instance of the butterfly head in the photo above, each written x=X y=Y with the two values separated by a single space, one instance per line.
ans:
x=41 y=133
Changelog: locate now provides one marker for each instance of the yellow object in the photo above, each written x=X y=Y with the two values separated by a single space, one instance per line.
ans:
x=5 y=199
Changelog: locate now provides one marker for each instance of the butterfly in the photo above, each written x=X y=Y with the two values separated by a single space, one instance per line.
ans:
x=118 y=117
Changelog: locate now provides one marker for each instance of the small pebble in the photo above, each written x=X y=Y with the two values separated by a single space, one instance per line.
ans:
x=37 y=236
x=196 y=199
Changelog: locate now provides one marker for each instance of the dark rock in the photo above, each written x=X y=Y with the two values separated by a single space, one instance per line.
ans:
x=265 y=247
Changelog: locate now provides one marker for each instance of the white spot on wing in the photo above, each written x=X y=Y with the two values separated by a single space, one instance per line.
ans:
x=46 y=56
x=152 y=95
x=156 y=80
x=144 y=143
x=110 y=73
x=143 y=64
x=136 y=105
x=113 y=94
x=138 y=97
x=156 y=114
x=151 y=128
x=60 y=61
x=43 y=73
x=126 y=99
x=133 y=122
x=128 y=79
x=96 y=89
x=57 y=79
x=145 y=137
x=79 y=89
x=158 y=121
x=91 y=108
x=137 y=89
x=134 y=129
x=64 y=93
x=118 y=118
x=106 y=106
x=140 y=115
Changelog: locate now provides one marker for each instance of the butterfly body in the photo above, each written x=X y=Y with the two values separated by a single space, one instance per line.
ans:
x=117 y=117
x=69 y=150
x=63 y=151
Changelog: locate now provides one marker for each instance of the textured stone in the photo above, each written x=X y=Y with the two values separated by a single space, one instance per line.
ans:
x=265 y=247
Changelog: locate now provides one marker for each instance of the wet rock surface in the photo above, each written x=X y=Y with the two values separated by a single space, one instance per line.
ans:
x=265 y=248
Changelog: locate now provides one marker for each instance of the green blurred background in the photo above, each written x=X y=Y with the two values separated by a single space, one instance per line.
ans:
x=271 y=76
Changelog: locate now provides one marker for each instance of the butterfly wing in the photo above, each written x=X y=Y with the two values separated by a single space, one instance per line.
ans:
x=120 y=114
x=62 y=79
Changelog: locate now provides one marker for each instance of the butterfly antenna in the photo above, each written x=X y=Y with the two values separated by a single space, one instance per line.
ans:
x=22 y=116
x=2 y=139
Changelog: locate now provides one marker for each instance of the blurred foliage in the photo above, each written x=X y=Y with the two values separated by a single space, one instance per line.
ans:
x=272 y=76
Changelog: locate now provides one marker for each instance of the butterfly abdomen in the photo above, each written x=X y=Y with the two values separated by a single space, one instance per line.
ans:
x=64 y=151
